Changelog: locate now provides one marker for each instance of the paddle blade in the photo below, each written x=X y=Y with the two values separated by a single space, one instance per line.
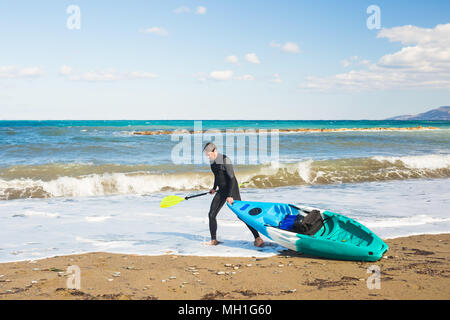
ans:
x=170 y=201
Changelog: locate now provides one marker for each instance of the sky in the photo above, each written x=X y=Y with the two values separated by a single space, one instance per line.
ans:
x=223 y=59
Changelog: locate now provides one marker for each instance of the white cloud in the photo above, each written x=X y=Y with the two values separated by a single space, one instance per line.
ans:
x=142 y=75
x=246 y=77
x=276 y=78
x=31 y=72
x=201 y=10
x=157 y=30
x=65 y=70
x=232 y=59
x=11 y=72
x=348 y=62
x=290 y=47
x=221 y=75
x=107 y=75
x=364 y=62
x=415 y=35
x=423 y=62
x=104 y=75
x=200 y=76
x=355 y=61
x=252 y=57
x=182 y=10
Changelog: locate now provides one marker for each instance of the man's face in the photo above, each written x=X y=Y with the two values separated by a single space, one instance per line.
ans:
x=212 y=155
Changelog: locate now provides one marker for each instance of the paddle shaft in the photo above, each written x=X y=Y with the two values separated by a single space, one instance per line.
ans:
x=196 y=195
x=202 y=194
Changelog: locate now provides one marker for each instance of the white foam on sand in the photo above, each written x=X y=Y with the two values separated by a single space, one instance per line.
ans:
x=39 y=228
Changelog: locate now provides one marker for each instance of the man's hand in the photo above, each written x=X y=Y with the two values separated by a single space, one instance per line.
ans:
x=212 y=191
x=230 y=200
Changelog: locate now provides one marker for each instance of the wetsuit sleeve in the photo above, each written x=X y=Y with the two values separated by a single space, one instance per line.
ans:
x=230 y=174
x=215 y=183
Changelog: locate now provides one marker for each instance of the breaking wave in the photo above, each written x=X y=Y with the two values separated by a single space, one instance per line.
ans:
x=82 y=180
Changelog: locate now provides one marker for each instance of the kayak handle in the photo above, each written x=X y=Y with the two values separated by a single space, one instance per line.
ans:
x=301 y=210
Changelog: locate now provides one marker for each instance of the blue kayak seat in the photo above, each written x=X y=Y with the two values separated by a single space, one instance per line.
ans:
x=288 y=222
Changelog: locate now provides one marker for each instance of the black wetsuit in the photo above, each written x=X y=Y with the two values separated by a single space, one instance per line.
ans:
x=228 y=187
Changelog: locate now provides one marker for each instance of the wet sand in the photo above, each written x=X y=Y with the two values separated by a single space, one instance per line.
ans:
x=161 y=132
x=415 y=267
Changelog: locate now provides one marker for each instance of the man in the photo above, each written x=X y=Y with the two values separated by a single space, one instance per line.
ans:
x=228 y=190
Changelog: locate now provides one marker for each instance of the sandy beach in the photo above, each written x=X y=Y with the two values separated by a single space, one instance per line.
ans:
x=415 y=267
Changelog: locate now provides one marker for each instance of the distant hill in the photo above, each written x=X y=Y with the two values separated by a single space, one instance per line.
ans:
x=442 y=113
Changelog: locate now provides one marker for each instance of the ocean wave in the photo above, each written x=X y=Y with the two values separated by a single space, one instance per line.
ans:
x=404 y=221
x=433 y=161
x=83 y=180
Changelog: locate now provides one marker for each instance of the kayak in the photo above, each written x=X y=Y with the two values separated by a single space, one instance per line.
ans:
x=329 y=235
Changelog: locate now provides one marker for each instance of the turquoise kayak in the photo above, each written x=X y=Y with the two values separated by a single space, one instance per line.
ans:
x=334 y=236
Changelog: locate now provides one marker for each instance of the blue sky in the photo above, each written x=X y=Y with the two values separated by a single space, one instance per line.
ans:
x=223 y=59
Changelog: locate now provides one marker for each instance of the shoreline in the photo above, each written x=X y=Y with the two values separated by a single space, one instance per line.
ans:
x=415 y=267
x=163 y=132
x=170 y=253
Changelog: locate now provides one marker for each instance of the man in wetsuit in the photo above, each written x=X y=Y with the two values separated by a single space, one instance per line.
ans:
x=228 y=190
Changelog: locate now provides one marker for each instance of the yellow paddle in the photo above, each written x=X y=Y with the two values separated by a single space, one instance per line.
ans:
x=243 y=183
x=170 y=201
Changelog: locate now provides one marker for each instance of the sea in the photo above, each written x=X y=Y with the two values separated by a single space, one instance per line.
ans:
x=69 y=187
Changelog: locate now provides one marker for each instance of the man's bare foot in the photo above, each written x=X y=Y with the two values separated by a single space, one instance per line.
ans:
x=213 y=243
x=259 y=242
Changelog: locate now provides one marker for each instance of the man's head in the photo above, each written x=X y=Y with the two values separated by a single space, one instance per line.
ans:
x=210 y=150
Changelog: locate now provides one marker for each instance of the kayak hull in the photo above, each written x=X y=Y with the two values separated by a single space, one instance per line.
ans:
x=339 y=238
